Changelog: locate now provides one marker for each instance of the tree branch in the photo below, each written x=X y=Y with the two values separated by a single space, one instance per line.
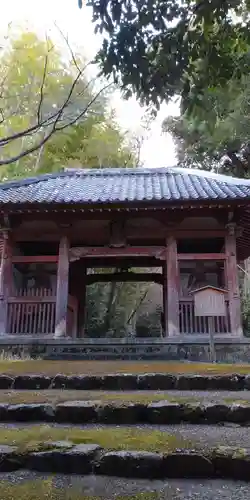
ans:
x=237 y=163
x=41 y=90
x=56 y=121
x=52 y=131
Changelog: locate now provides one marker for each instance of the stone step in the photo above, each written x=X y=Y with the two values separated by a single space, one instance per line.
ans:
x=128 y=382
x=156 y=413
x=65 y=457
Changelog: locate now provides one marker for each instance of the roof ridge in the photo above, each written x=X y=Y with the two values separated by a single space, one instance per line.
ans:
x=15 y=183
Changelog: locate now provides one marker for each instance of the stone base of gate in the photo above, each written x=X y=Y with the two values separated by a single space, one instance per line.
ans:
x=228 y=350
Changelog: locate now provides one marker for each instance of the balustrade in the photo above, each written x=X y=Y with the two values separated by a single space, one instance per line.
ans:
x=191 y=324
x=32 y=312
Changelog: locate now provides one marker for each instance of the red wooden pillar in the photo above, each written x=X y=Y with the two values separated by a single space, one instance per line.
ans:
x=232 y=282
x=6 y=278
x=165 y=300
x=62 y=288
x=172 y=288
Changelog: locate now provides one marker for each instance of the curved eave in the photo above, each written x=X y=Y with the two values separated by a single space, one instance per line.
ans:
x=122 y=205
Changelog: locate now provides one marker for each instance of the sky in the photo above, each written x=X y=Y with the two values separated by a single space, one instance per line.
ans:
x=41 y=15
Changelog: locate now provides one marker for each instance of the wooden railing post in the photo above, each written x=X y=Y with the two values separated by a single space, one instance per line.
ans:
x=232 y=282
x=62 y=288
x=6 y=278
x=172 y=287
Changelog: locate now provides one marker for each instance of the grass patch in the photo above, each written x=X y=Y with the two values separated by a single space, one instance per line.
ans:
x=52 y=368
x=55 y=396
x=237 y=401
x=28 y=490
x=110 y=438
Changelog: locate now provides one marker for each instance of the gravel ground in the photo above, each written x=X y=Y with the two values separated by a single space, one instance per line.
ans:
x=108 y=487
x=209 y=395
x=200 y=395
x=212 y=435
x=54 y=396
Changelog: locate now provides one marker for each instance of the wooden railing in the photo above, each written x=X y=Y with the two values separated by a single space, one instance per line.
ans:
x=32 y=312
x=190 y=324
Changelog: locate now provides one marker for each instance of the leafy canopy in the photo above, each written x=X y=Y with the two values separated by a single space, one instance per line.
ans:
x=219 y=136
x=160 y=48
x=35 y=81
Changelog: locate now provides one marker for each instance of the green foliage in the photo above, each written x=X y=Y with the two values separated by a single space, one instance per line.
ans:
x=114 y=310
x=35 y=81
x=161 y=48
x=96 y=142
x=245 y=310
x=218 y=136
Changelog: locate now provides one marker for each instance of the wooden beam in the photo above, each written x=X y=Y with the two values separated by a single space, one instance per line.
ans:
x=119 y=262
x=164 y=215
x=172 y=287
x=34 y=259
x=117 y=233
x=62 y=288
x=158 y=252
x=134 y=235
x=201 y=256
x=32 y=299
x=232 y=282
x=124 y=277
x=6 y=281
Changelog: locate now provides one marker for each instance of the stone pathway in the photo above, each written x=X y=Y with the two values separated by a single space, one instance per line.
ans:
x=197 y=395
x=108 y=488
x=216 y=396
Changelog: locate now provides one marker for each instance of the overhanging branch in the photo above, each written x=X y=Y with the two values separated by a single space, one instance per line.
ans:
x=56 y=121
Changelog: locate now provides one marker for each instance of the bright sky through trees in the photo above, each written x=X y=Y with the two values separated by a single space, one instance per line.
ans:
x=158 y=149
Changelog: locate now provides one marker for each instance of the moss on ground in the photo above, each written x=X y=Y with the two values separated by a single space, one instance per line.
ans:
x=28 y=490
x=110 y=438
x=55 y=396
x=102 y=367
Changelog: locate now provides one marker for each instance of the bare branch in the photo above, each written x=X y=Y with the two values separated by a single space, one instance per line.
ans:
x=56 y=121
x=72 y=122
x=39 y=117
x=69 y=47
x=53 y=130
x=38 y=126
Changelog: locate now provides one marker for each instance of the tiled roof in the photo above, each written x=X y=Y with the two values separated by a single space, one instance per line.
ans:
x=124 y=185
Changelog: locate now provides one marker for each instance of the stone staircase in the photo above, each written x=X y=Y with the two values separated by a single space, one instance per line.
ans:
x=210 y=416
